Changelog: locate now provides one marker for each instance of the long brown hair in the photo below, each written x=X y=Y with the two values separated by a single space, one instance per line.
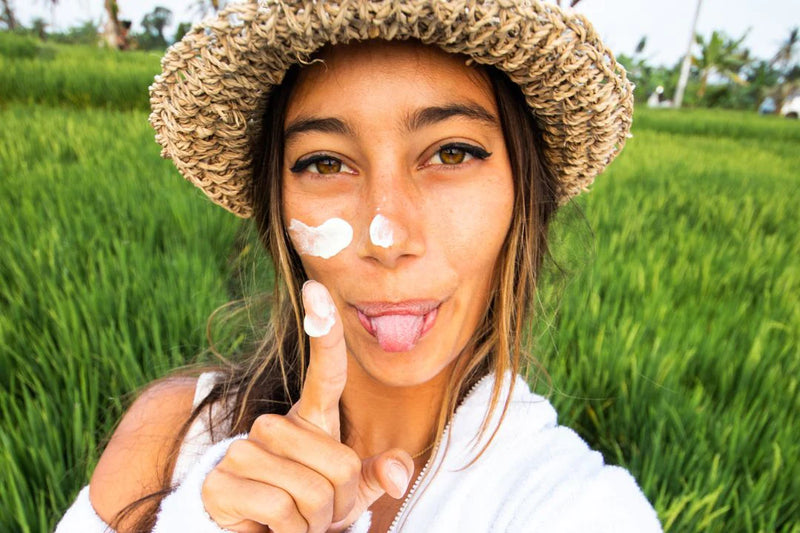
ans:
x=269 y=379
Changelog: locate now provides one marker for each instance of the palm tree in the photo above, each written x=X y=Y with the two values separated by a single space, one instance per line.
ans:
x=687 y=60
x=112 y=32
x=783 y=61
x=720 y=55
x=787 y=50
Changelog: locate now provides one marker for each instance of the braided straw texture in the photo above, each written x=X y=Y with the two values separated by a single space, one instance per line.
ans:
x=209 y=98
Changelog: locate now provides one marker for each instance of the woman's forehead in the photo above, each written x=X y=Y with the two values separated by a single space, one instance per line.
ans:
x=397 y=74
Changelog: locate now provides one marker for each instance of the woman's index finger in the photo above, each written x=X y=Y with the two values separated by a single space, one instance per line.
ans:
x=327 y=367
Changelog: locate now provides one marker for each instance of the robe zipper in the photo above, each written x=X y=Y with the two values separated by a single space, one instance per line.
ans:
x=393 y=526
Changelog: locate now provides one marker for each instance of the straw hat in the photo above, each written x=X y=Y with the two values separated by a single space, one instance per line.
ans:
x=208 y=101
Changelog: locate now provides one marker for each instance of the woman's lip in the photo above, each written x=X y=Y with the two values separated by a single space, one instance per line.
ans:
x=407 y=307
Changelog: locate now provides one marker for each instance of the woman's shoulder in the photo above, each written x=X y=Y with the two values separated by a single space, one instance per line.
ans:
x=544 y=476
x=139 y=447
x=572 y=485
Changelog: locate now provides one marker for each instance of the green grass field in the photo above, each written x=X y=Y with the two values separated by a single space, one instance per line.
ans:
x=675 y=349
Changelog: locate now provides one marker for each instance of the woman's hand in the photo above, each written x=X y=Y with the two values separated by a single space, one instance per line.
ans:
x=292 y=473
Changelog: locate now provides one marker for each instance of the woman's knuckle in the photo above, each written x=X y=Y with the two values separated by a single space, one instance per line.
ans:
x=210 y=488
x=238 y=448
x=321 y=492
x=266 y=423
x=239 y=456
x=285 y=508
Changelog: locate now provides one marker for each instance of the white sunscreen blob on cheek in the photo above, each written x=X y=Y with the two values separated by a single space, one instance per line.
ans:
x=325 y=240
x=380 y=231
x=320 y=311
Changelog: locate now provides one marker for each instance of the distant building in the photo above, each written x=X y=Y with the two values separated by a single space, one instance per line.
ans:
x=791 y=106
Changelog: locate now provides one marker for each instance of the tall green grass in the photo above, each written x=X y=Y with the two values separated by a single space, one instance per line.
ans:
x=76 y=76
x=110 y=264
x=676 y=349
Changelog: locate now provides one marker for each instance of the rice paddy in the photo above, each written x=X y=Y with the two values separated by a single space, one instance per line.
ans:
x=675 y=349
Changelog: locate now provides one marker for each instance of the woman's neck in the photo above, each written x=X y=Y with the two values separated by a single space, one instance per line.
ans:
x=378 y=417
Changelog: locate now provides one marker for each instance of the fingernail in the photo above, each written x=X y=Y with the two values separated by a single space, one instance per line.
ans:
x=399 y=477
x=320 y=311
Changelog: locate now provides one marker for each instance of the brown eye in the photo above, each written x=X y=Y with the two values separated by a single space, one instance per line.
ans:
x=321 y=164
x=328 y=165
x=452 y=155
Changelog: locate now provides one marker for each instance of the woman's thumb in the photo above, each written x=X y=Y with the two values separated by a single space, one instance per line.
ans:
x=389 y=472
x=386 y=473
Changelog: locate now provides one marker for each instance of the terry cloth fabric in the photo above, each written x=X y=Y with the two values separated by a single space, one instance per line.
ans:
x=534 y=476
x=199 y=437
x=81 y=517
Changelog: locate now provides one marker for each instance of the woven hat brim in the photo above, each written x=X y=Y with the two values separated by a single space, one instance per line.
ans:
x=208 y=100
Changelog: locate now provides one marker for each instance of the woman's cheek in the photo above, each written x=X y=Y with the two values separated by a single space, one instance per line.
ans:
x=324 y=241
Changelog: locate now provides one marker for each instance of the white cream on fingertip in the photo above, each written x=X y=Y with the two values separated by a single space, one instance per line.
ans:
x=381 y=232
x=325 y=240
x=320 y=311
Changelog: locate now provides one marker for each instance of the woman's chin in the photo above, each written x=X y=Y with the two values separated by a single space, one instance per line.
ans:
x=398 y=368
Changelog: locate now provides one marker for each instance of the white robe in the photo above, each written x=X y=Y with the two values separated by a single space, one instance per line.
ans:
x=535 y=476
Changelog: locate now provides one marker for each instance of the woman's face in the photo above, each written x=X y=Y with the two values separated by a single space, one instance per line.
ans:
x=401 y=144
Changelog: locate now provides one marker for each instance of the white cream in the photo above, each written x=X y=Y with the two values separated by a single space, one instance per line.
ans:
x=320 y=311
x=325 y=240
x=380 y=231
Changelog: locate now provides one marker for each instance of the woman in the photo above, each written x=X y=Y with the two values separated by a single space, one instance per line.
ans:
x=404 y=192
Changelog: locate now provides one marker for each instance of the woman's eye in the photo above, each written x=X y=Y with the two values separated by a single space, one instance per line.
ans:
x=320 y=164
x=328 y=165
x=455 y=154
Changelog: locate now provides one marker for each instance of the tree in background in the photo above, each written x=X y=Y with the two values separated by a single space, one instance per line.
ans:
x=687 y=60
x=7 y=16
x=87 y=34
x=153 y=24
x=786 y=53
x=785 y=61
x=114 y=32
x=720 y=55
x=182 y=29
x=762 y=82
x=39 y=28
x=647 y=77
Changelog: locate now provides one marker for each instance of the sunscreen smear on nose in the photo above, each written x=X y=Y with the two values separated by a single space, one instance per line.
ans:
x=380 y=231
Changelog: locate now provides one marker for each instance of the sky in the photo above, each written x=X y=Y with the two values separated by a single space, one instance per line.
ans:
x=621 y=23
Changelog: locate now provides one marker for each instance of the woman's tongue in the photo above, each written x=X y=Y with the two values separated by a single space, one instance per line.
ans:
x=398 y=333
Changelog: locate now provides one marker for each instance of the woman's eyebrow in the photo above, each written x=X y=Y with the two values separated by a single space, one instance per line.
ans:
x=324 y=125
x=431 y=115
x=417 y=120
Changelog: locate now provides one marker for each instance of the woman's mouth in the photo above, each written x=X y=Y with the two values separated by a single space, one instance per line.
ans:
x=398 y=327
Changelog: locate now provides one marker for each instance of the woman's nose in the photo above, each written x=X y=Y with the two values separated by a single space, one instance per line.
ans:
x=392 y=231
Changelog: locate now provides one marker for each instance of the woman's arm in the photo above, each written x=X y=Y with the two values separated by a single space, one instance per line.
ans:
x=132 y=464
